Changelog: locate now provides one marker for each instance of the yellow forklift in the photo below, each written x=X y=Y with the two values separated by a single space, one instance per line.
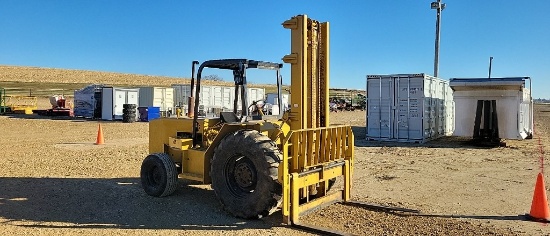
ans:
x=257 y=164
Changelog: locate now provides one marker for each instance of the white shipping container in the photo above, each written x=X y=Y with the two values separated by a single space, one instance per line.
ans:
x=223 y=97
x=408 y=108
x=113 y=100
x=182 y=92
x=157 y=97
x=214 y=97
x=513 y=100
x=272 y=99
x=253 y=95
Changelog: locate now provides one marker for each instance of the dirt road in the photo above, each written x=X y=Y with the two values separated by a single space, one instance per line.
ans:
x=54 y=181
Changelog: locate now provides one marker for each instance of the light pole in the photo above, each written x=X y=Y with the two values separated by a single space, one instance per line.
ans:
x=490 y=65
x=439 y=7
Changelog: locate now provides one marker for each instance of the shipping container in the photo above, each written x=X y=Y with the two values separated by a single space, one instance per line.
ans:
x=408 y=108
x=271 y=98
x=182 y=92
x=214 y=98
x=223 y=97
x=157 y=97
x=85 y=101
x=514 y=105
x=253 y=95
x=113 y=100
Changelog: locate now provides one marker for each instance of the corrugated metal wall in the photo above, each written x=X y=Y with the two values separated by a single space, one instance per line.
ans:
x=215 y=97
x=157 y=97
x=408 y=108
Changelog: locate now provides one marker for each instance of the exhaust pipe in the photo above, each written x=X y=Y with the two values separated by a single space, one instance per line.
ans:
x=191 y=99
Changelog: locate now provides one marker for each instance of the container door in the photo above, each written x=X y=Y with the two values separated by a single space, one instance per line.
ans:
x=119 y=100
x=260 y=95
x=401 y=121
x=132 y=97
x=402 y=111
x=205 y=101
x=168 y=99
x=379 y=112
x=186 y=93
x=217 y=97
x=157 y=97
x=227 y=101
x=252 y=95
x=178 y=96
x=428 y=106
x=439 y=109
x=410 y=99
x=181 y=93
x=107 y=105
x=146 y=96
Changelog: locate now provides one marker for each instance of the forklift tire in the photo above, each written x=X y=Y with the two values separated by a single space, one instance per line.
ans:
x=159 y=177
x=244 y=172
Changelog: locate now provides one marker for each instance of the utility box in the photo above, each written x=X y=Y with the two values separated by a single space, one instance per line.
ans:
x=160 y=97
x=408 y=108
x=514 y=105
x=113 y=100
x=147 y=114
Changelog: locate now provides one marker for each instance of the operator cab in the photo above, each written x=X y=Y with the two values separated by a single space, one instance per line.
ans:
x=249 y=112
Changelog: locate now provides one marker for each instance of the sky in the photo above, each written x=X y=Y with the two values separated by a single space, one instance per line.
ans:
x=366 y=37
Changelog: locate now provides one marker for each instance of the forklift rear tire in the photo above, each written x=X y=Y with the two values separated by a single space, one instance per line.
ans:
x=159 y=176
x=244 y=172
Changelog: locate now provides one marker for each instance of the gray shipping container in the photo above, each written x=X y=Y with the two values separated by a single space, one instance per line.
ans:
x=157 y=97
x=408 y=108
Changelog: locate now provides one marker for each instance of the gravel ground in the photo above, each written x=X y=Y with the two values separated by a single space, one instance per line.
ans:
x=54 y=181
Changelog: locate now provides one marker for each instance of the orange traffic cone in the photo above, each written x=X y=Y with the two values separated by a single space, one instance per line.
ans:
x=100 y=140
x=539 y=207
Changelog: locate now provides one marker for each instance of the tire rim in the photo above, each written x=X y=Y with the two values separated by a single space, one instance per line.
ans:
x=241 y=175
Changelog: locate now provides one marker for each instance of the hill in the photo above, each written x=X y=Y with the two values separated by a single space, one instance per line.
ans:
x=21 y=80
x=40 y=81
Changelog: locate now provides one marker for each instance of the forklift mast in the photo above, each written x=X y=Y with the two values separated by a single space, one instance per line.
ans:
x=309 y=59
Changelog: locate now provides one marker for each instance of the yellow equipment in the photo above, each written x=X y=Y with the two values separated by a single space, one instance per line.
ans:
x=3 y=107
x=22 y=104
x=257 y=164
